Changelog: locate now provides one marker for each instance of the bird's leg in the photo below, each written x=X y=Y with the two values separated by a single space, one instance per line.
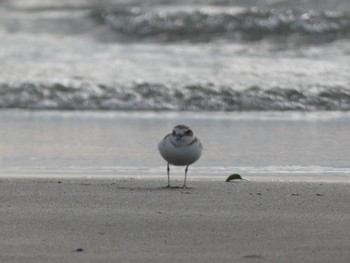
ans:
x=184 y=186
x=168 y=170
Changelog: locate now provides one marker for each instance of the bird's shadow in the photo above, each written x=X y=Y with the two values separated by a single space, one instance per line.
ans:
x=140 y=188
x=162 y=188
x=176 y=187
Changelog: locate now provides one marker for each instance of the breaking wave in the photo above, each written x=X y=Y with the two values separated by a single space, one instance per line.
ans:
x=146 y=96
x=208 y=23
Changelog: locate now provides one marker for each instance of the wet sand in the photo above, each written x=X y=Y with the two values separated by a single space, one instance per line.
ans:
x=106 y=220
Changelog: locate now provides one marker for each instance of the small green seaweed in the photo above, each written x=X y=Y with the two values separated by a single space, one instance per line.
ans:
x=234 y=177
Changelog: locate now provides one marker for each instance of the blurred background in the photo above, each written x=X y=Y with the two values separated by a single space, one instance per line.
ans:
x=175 y=55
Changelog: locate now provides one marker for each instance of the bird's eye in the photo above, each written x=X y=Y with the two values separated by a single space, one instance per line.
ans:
x=173 y=132
x=188 y=132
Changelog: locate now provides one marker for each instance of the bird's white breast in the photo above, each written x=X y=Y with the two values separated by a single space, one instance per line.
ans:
x=179 y=154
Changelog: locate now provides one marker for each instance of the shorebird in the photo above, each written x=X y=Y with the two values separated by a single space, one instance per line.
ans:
x=180 y=148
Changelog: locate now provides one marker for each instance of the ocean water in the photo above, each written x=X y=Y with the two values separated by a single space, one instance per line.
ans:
x=257 y=145
x=175 y=55
x=92 y=85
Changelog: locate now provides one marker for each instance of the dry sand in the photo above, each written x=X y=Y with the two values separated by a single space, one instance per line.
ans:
x=105 y=220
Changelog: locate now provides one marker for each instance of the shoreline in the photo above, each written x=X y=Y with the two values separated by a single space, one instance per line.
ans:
x=103 y=175
x=130 y=220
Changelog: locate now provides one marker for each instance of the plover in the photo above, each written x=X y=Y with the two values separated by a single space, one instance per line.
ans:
x=180 y=148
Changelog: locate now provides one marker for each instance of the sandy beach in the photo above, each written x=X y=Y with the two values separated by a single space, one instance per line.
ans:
x=130 y=220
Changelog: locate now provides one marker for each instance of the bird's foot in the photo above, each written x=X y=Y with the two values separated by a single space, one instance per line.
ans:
x=186 y=187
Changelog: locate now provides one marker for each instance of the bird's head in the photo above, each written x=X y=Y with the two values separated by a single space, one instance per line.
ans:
x=182 y=133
